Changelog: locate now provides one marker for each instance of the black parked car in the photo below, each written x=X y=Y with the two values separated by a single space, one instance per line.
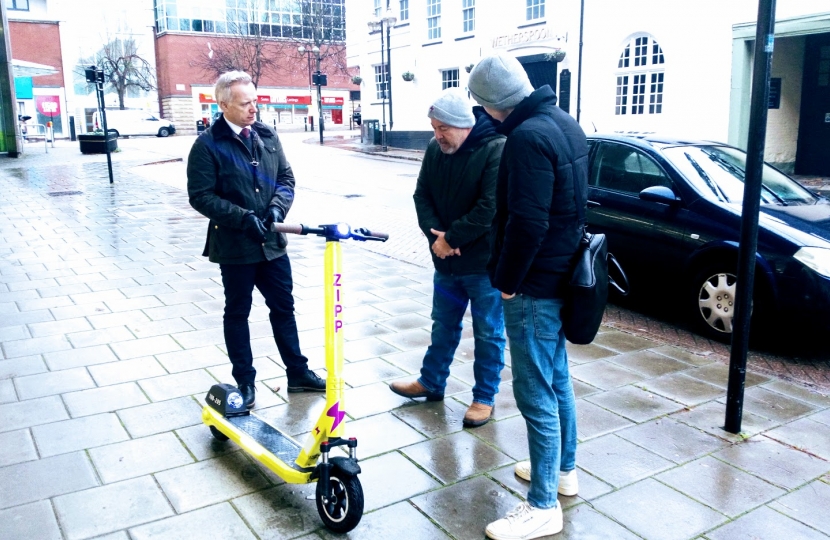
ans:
x=671 y=210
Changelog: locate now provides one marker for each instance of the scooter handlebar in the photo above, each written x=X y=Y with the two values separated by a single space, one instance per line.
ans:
x=341 y=231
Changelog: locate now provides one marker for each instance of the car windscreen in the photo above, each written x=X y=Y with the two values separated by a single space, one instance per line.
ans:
x=717 y=172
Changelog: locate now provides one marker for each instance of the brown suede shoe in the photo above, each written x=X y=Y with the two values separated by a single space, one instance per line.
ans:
x=478 y=414
x=414 y=389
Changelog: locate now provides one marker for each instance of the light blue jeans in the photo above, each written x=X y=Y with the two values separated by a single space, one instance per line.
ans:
x=449 y=302
x=543 y=390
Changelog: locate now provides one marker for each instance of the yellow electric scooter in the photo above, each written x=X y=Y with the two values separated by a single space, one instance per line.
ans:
x=339 y=494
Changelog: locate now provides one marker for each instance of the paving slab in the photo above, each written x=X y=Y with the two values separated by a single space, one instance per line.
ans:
x=16 y=447
x=139 y=457
x=78 y=434
x=32 y=412
x=210 y=482
x=672 y=440
x=805 y=435
x=807 y=505
x=392 y=478
x=106 y=399
x=764 y=523
x=35 y=520
x=391 y=522
x=219 y=521
x=617 y=461
x=126 y=370
x=160 y=417
x=634 y=403
x=455 y=457
x=45 y=478
x=55 y=382
x=110 y=508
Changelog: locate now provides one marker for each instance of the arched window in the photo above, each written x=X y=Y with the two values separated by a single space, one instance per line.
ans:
x=640 y=77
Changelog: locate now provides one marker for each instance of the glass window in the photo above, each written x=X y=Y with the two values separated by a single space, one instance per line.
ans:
x=468 y=10
x=433 y=19
x=19 y=5
x=380 y=80
x=718 y=172
x=449 y=78
x=377 y=9
x=626 y=169
x=535 y=9
x=640 y=77
x=404 y=10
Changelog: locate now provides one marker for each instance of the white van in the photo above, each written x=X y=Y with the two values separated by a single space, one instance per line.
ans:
x=135 y=122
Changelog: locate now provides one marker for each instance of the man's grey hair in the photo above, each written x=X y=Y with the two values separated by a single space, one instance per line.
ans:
x=222 y=90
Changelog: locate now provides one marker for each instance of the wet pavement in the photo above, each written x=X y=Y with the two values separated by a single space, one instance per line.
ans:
x=110 y=330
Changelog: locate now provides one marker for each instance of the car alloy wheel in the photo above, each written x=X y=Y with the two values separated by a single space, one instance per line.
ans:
x=716 y=301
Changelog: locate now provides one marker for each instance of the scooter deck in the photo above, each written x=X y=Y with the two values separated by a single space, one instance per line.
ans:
x=276 y=442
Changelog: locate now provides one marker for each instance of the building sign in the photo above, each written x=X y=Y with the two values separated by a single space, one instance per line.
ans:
x=298 y=100
x=263 y=99
x=527 y=36
x=206 y=98
x=332 y=101
x=48 y=105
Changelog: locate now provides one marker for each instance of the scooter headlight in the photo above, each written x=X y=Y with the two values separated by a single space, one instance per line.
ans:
x=343 y=230
x=815 y=258
x=227 y=400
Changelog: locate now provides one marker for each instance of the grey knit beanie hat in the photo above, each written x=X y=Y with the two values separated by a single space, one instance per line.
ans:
x=453 y=108
x=499 y=82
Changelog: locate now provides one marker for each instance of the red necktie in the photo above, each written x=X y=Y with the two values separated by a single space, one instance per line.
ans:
x=245 y=133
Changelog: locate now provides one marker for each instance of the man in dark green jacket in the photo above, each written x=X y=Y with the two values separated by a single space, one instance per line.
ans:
x=455 y=202
x=239 y=178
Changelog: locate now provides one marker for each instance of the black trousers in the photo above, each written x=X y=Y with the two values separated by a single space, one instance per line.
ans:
x=273 y=279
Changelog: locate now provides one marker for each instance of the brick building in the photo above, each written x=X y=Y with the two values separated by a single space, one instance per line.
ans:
x=189 y=34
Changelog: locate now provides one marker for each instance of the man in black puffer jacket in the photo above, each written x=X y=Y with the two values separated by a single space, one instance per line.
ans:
x=239 y=178
x=534 y=237
x=454 y=200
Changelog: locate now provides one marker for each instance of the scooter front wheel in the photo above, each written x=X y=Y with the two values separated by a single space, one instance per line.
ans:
x=340 y=504
x=218 y=435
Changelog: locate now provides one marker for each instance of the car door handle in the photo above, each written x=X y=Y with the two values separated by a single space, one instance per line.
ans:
x=593 y=204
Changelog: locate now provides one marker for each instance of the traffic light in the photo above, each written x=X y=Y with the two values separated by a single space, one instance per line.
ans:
x=93 y=74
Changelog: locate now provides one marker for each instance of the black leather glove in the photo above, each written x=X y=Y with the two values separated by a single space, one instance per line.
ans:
x=274 y=216
x=253 y=228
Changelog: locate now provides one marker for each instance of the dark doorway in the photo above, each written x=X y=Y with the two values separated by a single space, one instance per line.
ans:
x=539 y=70
x=814 y=127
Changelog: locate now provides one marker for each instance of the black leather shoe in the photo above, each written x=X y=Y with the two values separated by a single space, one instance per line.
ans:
x=307 y=382
x=248 y=394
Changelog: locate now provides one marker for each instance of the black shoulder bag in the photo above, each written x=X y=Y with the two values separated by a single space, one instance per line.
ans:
x=588 y=287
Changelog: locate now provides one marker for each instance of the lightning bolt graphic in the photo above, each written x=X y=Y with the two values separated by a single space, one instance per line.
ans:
x=337 y=414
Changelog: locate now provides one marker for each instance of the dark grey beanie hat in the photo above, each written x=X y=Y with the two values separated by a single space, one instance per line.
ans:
x=453 y=108
x=499 y=82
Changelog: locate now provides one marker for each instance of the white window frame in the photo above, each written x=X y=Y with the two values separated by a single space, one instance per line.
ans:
x=534 y=9
x=450 y=78
x=433 y=19
x=640 y=77
x=404 y=15
x=380 y=84
x=468 y=15
x=378 y=9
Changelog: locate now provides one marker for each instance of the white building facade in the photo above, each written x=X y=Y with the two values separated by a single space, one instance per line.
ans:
x=678 y=67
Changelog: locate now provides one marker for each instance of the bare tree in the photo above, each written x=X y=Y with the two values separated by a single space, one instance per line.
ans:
x=124 y=68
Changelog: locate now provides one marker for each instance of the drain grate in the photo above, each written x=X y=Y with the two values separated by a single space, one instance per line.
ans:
x=64 y=193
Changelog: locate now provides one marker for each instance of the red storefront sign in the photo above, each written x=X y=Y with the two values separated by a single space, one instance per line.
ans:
x=332 y=101
x=206 y=98
x=298 y=100
x=48 y=105
x=264 y=99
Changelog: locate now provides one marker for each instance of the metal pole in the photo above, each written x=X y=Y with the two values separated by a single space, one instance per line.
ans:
x=579 y=65
x=319 y=101
x=100 y=87
x=384 y=78
x=389 y=67
x=764 y=39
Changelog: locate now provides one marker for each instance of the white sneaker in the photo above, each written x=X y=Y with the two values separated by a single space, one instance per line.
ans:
x=568 y=483
x=525 y=522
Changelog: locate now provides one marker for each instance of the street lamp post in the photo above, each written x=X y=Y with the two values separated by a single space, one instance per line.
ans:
x=387 y=20
x=318 y=79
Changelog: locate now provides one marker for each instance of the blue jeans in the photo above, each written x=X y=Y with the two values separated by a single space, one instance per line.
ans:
x=273 y=279
x=543 y=390
x=449 y=302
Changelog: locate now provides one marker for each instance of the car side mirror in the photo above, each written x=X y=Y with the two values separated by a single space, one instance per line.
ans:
x=659 y=194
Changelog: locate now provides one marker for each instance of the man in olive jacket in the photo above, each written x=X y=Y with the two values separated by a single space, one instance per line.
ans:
x=239 y=178
x=454 y=199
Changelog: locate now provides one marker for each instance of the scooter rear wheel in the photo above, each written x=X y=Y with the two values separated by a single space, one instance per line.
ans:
x=340 y=504
x=218 y=435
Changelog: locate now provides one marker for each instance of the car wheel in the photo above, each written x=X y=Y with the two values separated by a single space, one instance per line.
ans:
x=713 y=300
x=164 y=132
